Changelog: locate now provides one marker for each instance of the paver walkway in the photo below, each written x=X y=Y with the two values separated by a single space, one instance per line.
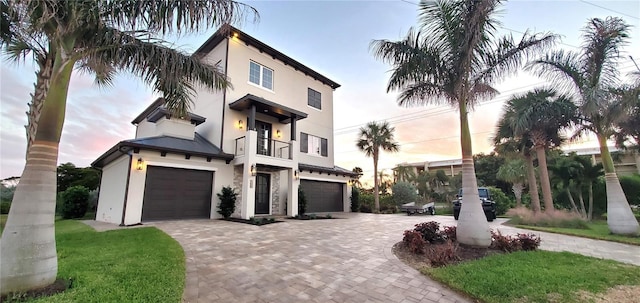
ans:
x=342 y=260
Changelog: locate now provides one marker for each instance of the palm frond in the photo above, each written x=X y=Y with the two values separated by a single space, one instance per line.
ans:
x=562 y=69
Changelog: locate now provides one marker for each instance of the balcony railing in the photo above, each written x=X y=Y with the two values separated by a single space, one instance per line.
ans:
x=266 y=147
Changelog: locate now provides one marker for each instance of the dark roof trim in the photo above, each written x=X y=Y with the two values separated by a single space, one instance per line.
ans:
x=264 y=106
x=123 y=147
x=330 y=171
x=226 y=30
x=156 y=110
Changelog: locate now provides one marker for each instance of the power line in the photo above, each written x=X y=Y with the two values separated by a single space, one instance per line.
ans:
x=608 y=9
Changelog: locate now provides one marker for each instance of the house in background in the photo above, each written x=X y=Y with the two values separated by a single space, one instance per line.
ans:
x=266 y=136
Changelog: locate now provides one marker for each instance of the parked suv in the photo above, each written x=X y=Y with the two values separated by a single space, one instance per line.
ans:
x=488 y=205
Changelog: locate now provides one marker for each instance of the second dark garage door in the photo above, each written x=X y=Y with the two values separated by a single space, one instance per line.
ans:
x=323 y=196
x=176 y=193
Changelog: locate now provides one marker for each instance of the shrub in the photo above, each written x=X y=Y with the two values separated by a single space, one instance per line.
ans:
x=529 y=241
x=4 y=207
x=449 y=233
x=93 y=200
x=444 y=254
x=430 y=232
x=631 y=187
x=387 y=205
x=404 y=192
x=75 y=201
x=227 y=201
x=366 y=202
x=6 y=193
x=355 y=199
x=302 y=202
x=558 y=218
x=414 y=241
x=503 y=203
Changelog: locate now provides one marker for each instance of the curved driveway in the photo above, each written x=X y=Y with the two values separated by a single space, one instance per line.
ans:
x=341 y=260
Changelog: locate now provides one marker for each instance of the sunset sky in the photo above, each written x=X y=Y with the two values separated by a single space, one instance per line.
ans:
x=331 y=37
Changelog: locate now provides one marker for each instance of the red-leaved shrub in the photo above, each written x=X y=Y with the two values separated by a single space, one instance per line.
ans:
x=413 y=240
x=430 y=231
x=529 y=241
x=442 y=254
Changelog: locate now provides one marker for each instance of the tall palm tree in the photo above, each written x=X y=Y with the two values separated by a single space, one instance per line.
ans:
x=103 y=37
x=372 y=138
x=454 y=59
x=591 y=74
x=506 y=142
x=514 y=172
x=542 y=115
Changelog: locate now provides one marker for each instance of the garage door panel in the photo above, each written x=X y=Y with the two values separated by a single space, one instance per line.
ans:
x=174 y=193
x=323 y=196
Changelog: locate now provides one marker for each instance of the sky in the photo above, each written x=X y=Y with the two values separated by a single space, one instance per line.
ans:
x=331 y=37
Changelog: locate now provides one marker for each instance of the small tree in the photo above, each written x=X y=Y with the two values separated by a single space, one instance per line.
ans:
x=302 y=202
x=227 y=201
x=404 y=192
x=355 y=199
x=75 y=202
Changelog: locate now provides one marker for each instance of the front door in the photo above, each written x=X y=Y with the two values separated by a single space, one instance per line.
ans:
x=262 y=194
x=264 y=137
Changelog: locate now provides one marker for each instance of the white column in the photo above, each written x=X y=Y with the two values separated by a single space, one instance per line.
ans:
x=293 y=182
x=249 y=181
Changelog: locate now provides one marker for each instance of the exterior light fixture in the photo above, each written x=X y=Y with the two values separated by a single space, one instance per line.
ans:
x=296 y=175
x=240 y=124
x=253 y=170
x=278 y=133
x=139 y=164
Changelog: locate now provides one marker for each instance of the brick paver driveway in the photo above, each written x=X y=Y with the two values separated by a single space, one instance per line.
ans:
x=342 y=260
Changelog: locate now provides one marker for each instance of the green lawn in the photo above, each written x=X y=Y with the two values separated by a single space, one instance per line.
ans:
x=3 y=221
x=127 y=265
x=597 y=230
x=530 y=276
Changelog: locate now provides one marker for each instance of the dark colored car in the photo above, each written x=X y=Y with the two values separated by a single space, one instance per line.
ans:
x=488 y=205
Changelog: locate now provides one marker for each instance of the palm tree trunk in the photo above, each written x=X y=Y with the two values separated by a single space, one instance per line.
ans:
x=28 y=248
x=583 y=210
x=571 y=200
x=517 y=191
x=376 y=197
x=544 y=178
x=533 y=185
x=41 y=87
x=473 y=229
x=590 y=215
x=620 y=218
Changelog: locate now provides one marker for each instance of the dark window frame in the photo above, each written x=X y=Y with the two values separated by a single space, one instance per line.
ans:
x=314 y=98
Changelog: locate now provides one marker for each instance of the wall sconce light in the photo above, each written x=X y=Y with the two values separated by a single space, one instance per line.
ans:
x=139 y=164
x=253 y=170
x=296 y=175
x=240 y=124
x=278 y=133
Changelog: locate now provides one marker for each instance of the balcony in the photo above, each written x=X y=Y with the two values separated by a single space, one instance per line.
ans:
x=266 y=147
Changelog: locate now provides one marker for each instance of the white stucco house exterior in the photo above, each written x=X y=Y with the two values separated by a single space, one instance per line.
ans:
x=266 y=136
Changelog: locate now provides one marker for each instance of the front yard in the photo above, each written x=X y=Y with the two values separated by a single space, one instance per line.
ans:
x=596 y=230
x=128 y=265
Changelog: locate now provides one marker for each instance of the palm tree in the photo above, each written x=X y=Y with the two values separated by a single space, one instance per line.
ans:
x=514 y=172
x=541 y=114
x=103 y=37
x=454 y=58
x=373 y=137
x=591 y=74
x=589 y=173
x=356 y=181
x=566 y=171
x=507 y=143
x=404 y=173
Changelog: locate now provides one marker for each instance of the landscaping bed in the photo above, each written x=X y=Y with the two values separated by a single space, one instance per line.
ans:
x=312 y=217
x=513 y=270
x=254 y=221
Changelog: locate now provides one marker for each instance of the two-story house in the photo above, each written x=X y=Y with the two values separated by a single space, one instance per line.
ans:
x=269 y=134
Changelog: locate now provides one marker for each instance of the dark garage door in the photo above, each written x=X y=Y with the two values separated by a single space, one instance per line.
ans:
x=175 y=193
x=323 y=196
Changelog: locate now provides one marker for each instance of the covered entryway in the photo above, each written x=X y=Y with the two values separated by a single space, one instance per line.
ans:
x=263 y=185
x=176 y=193
x=323 y=196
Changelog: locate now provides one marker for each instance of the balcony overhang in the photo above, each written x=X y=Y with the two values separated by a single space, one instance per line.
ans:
x=282 y=113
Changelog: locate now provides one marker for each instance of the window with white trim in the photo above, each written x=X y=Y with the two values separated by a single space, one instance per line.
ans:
x=260 y=75
x=313 y=145
x=314 y=98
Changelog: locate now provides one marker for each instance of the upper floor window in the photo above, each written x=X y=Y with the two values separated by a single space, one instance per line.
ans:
x=313 y=145
x=260 y=75
x=314 y=99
